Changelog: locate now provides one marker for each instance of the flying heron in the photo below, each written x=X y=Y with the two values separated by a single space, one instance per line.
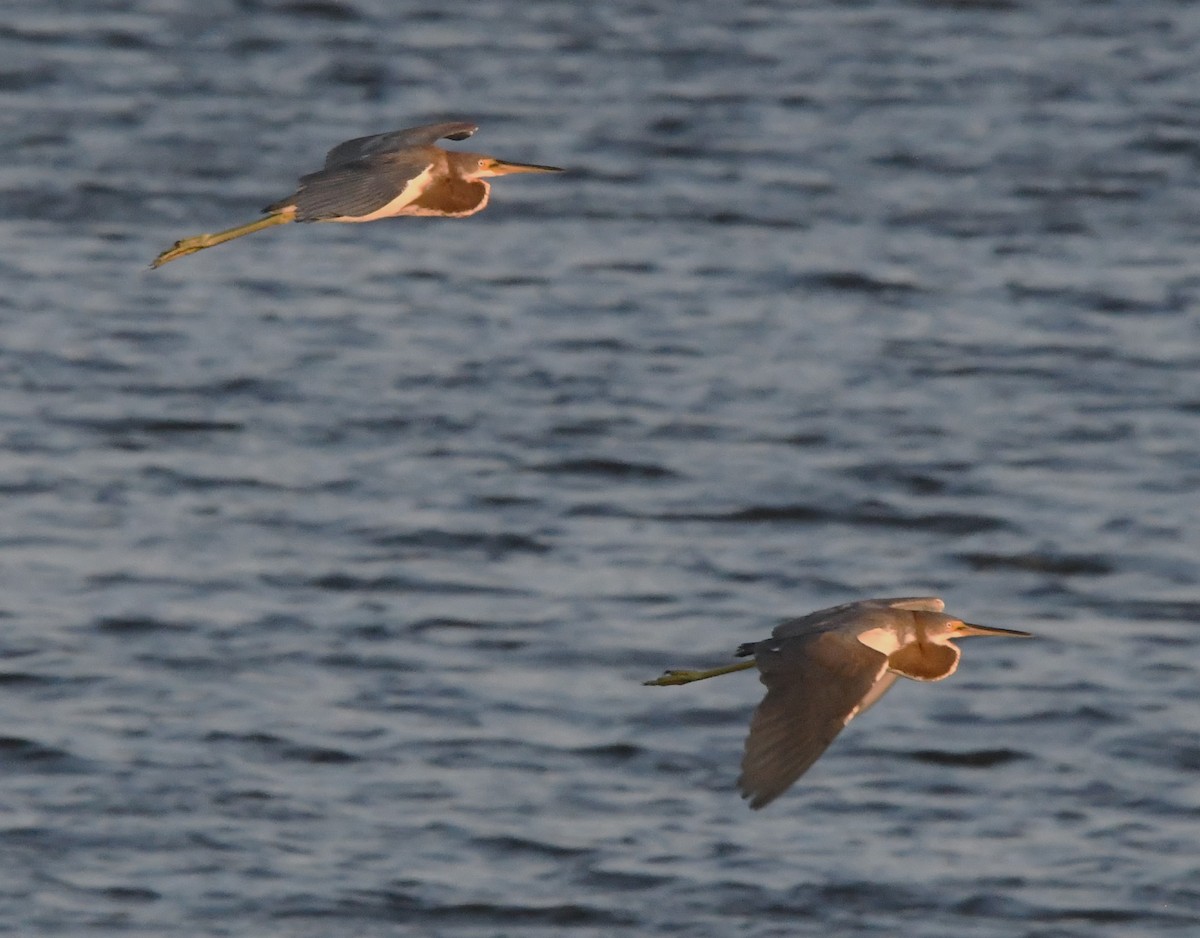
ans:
x=381 y=176
x=824 y=669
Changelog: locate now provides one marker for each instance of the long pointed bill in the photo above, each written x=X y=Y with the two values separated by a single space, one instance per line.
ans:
x=969 y=629
x=501 y=168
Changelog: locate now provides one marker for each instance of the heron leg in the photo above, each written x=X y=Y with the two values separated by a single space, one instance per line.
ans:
x=687 y=677
x=200 y=242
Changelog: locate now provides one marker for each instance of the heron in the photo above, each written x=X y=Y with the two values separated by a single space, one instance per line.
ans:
x=824 y=669
x=380 y=176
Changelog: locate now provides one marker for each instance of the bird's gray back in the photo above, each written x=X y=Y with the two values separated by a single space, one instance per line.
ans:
x=856 y=616
x=423 y=136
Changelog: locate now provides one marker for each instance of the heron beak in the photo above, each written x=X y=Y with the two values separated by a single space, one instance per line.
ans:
x=967 y=629
x=501 y=168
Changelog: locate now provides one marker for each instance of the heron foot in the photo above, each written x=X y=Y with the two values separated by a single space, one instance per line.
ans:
x=674 y=677
x=687 y=677
x=201 y=241
x=181 y=249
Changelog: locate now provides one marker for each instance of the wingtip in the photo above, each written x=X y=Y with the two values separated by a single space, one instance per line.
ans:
x=755 y=799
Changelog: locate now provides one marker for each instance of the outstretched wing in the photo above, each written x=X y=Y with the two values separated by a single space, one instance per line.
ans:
x=423 y=136
x=353 y=191
x=815 y=686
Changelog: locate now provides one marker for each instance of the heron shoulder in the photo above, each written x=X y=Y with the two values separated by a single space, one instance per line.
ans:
x=848 y=616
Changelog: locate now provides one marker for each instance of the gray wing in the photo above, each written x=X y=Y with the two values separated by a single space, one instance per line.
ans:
x=859 y=615
x=352 y=189
x=815 y=686
x=881 y=687
x=423 y=136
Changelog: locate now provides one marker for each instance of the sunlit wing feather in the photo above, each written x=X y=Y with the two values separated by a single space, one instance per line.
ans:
x=913 y=603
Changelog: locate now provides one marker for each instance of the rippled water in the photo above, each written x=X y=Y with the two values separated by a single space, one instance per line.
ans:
x=332 y=559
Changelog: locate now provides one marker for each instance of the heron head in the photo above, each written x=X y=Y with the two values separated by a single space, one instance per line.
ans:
x=490 y=166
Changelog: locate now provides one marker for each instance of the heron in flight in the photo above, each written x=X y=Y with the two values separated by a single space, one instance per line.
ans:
x=824 y=669
x=381 y=176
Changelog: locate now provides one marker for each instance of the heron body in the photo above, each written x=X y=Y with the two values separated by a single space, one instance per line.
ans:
x=823 y=669
x=381 y=176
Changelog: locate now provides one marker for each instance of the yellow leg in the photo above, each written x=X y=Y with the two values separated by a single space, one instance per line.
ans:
x=200 y=242
x=686 y=677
